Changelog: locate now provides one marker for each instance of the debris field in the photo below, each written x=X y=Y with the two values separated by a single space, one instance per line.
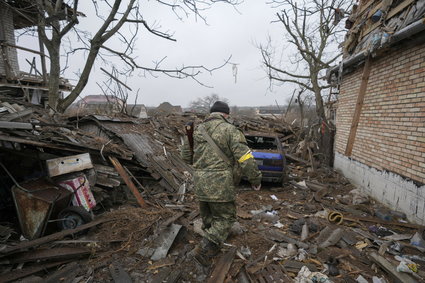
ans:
x=315 y=227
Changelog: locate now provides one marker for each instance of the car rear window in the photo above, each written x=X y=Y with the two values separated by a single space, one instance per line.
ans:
x=261 y=142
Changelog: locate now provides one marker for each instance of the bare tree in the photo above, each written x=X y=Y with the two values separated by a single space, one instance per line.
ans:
x=57 y=18
x=311 y=28
x=203 y=104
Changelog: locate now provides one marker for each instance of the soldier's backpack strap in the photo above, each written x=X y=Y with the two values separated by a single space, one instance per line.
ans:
x=214 y=145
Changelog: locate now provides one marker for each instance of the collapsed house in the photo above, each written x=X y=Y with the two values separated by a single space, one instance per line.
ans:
x=16 y=15
x=380 y=139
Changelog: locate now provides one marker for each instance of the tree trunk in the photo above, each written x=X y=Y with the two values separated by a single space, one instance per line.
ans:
x=54 y=75
x=320 y=110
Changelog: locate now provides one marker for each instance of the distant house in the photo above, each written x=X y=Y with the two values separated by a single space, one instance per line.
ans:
x=167 y=108
x=270 y=111
x=100 y=104
x=137 y=110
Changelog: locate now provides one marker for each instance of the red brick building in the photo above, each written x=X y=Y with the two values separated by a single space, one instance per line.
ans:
x=380 y=120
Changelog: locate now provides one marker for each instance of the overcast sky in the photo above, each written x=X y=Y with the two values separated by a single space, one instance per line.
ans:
x=227 y=33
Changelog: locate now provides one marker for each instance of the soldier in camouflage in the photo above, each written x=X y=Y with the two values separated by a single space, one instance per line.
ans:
x=214 y=177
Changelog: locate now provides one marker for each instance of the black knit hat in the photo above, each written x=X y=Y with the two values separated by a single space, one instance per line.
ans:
x=220 y=106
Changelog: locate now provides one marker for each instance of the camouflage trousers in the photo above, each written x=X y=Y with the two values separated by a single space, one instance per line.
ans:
x=217 y=219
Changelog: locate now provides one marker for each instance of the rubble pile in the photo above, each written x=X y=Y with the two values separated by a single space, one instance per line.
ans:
x=140 y=219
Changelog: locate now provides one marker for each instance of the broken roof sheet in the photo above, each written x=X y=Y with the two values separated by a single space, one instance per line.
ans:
x=163 y=163
x=374 y=23
x=37 y=128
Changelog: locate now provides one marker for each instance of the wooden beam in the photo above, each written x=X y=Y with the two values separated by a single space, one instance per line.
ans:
x=390 y=14
x=25 y=49
x=43 y=61
x=128 y=181
x=359 y=106
x=222 y=267
x=391 y=269
x=20 y=273
x=53 y=237
x=15 y=125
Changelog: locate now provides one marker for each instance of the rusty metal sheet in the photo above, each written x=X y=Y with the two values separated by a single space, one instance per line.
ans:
x=166 y=239
x=36 y=202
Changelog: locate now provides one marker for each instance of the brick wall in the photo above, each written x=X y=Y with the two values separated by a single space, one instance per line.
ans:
x=391 y=130
x=8 y=32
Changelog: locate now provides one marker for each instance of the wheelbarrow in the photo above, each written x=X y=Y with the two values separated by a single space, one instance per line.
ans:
x=39 y=203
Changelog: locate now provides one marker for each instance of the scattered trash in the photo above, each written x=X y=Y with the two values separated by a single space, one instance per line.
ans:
x=290 y=251
x=332 y=239
x=278 y=225
x=302 y=255
x=306 y=276
x=302 y=184
x=418 y=241
x=380 y=231
x=361 y=245
x=361 y=279
x=406 y=265
x=358 y=197
x=245 y=251
x=304 y=232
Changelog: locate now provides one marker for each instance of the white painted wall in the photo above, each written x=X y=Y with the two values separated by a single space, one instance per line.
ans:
x=396 y=192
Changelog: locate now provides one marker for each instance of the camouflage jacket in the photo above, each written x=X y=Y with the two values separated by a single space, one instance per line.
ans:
x=213 y=177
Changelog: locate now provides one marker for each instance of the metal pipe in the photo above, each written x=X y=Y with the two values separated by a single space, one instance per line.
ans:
x=410 y=30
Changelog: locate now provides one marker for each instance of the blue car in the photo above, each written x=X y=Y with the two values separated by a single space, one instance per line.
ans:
x=268 y=153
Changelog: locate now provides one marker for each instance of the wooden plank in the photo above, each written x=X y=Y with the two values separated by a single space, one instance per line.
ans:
x=36 y=143
x=359 y=106
x=390 y=269
x=292 y=157
x=365 y=7
x=106 y=181
x=54 y=254
x=16 y=274
x=15 y=125
x=128 y=181
x=105 y=169
x=278 y=236
x=171 y=219
x=119 y=274
x=17 y=115
x=391 y=14
x=53 y=237
x=68 y=164
x=66 y=274
x=222 y=267
x=25 y=49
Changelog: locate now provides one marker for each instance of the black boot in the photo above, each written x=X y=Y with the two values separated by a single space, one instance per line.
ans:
x=205 y=251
